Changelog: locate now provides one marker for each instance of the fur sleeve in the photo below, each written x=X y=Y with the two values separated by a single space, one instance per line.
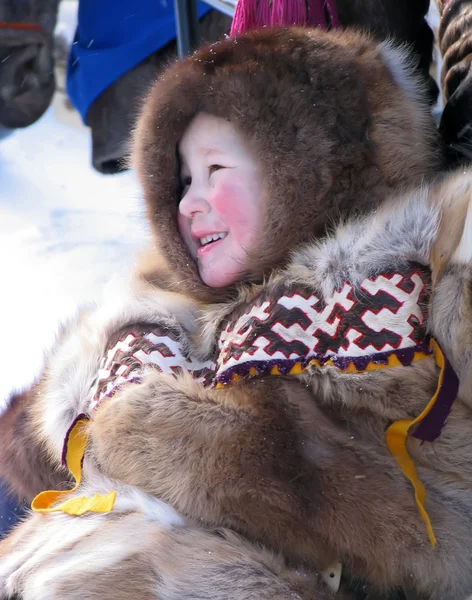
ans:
x=24 y=464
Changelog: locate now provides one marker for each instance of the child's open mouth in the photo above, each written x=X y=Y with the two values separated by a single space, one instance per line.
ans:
x=209 y=241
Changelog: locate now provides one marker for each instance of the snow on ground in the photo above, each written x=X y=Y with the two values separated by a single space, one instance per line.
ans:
x=64 y=231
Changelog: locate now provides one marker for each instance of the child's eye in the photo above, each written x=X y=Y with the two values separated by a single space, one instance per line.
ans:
x=214 y=168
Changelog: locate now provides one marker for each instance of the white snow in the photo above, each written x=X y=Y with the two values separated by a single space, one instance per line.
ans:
x=64 y=231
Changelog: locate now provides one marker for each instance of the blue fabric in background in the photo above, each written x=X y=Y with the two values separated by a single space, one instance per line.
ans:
x=112 y=37
x=10 y=511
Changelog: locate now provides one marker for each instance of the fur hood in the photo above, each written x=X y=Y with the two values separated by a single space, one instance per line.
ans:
x=335 y=120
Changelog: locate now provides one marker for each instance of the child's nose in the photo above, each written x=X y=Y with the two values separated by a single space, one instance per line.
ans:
x=193 y=202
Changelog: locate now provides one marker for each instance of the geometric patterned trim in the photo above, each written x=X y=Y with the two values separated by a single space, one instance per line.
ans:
x=379 y=324
x=381 y=360
x=137 y=349
x=376 y=325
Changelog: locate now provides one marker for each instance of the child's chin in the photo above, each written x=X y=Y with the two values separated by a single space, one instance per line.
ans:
x=218 y=278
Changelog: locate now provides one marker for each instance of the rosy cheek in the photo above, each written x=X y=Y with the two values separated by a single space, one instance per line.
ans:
x=233 y=206
x=184 y=224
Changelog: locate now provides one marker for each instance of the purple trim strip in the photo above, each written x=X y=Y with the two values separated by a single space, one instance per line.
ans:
x=431 y=426
x=405 y=356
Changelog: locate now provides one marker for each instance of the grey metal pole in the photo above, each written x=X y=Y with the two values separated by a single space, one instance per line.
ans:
x=188 y=26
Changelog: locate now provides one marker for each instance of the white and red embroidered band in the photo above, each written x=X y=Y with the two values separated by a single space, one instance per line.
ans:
x=379 y=323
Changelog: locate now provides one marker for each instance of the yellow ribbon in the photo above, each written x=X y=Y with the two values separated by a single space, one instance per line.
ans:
x=46 y=501
x=396 y=437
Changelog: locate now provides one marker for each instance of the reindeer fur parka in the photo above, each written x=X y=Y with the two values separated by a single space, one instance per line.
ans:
x=296 y=461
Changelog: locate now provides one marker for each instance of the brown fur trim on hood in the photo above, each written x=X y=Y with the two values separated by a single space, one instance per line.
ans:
x=334 y=119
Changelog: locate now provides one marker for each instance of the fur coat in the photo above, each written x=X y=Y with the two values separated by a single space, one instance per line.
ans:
x=266 y=484
x=298 y=462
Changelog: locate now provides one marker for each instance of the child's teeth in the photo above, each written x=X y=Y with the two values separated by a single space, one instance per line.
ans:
x=211 y=238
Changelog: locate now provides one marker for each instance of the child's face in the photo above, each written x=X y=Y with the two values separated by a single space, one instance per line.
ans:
x=221 y=199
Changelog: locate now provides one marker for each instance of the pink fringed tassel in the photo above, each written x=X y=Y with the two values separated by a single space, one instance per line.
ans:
x=263 y=15
x=288 y=12
x=244 y=18
x=332 y=12
x=254 y=14
x=316 y=14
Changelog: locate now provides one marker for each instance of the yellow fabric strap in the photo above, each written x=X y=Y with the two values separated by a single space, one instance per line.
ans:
x=396 y=437
x=45 y=502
